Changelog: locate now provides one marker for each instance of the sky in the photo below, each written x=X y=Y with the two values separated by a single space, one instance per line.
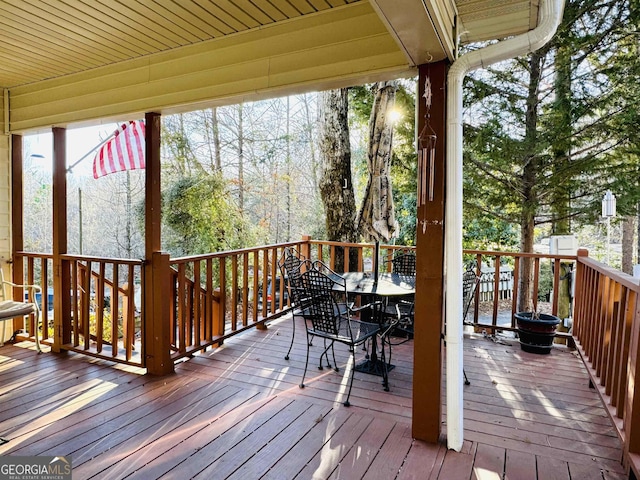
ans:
x=80 y=141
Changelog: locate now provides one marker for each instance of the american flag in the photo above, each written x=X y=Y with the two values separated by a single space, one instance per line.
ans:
x=124 y=151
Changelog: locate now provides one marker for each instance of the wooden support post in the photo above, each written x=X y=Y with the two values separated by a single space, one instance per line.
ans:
x=579 y=295
x=17 y=225
x=305 y=248
x=61 y=273
x=218 y=315
x=429 y=304
x=157 y=304
x=157 y=289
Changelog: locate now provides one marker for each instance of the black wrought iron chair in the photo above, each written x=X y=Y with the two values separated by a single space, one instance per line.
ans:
x=404 y=264
x=291 y=265
x=401 y=309
x=470 y=282
x=324 y=318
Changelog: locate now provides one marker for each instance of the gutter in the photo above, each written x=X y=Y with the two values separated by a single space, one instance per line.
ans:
x=550 y=15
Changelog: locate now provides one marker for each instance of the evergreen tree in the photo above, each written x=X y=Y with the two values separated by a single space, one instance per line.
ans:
x=536 y=149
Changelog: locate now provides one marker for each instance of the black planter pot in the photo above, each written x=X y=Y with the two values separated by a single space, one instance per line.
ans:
x=536 y=332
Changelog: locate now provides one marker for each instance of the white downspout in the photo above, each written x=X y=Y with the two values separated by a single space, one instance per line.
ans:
x=550 y=14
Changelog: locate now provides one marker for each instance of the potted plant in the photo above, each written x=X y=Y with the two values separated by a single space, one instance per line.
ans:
x=536 y=331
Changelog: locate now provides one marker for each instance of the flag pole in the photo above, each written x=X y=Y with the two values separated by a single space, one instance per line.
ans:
x=91 y=151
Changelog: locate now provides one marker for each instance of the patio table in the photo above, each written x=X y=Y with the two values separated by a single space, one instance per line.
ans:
x=388 y=285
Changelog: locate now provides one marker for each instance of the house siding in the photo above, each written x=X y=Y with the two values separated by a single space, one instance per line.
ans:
x=347 y=46
x=5 y=187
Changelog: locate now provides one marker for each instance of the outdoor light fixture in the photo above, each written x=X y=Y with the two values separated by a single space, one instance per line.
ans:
x=608 y=211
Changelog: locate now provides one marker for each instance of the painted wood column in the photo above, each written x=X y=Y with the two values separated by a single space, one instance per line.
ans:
x=61 y=272
x=17 y=224
x=429 y=304
x=157 y=274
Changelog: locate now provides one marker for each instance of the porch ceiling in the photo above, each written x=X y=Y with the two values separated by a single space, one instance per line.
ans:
x=55 y=42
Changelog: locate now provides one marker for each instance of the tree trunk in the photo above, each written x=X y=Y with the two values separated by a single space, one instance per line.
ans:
x=628 y=231
x=530 y=172
x=310 y=127
x=336 y=188
x=638 y=235
x=240 y=162
x=562 y=143
x=215 y=130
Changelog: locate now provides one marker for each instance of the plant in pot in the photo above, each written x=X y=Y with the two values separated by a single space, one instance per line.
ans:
x=536 y=331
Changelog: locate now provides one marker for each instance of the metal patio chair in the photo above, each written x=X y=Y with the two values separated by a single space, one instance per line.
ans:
x=470 y=282
x=291 y=264
x=401 y=309
x=324 y=318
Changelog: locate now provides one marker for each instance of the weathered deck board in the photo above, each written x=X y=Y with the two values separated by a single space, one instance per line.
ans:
x=520 y=466
x=237 y=412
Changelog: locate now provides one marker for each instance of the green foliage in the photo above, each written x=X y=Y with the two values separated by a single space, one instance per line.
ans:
x=490 y=233
x=545 y=282
x=540 y=139
x=201 y=218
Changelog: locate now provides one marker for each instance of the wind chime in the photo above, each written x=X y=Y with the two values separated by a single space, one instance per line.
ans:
x=426 y=157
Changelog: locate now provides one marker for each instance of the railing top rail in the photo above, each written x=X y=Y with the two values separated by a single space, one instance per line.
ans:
x=622 y=278
x=89 y=258
x=206 y=256
x=68 y=256
x=35 y=254
x=521 y=254
x=366 y=244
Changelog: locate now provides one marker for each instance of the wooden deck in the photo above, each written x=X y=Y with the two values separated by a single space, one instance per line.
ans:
x=237 y=412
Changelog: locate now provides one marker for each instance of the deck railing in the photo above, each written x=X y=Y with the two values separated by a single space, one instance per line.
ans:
x=36 y=269
x=607 y=333
x=558 y=266
x=104 y=319
x=218 y=295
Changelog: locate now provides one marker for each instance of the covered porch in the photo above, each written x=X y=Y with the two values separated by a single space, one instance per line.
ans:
x=237 y=412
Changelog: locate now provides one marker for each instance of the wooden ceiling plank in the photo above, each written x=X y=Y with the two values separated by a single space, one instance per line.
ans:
x=210 y=19
x=121 y=29
x=67 y=24
x=288 y=10
x=33 y=12
x=204 y=30
x=262 y=11
x=213 y=9
x=10 y=78
x=171 y=12
x=19 y=40
x=141 y=24
x=303 y=6
x=319 y=5
x=337 y=3
x=86 y=20
x=27 y=65
x=250 y=16
x=153 y=12
x=156 y=39
x=90 y=58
